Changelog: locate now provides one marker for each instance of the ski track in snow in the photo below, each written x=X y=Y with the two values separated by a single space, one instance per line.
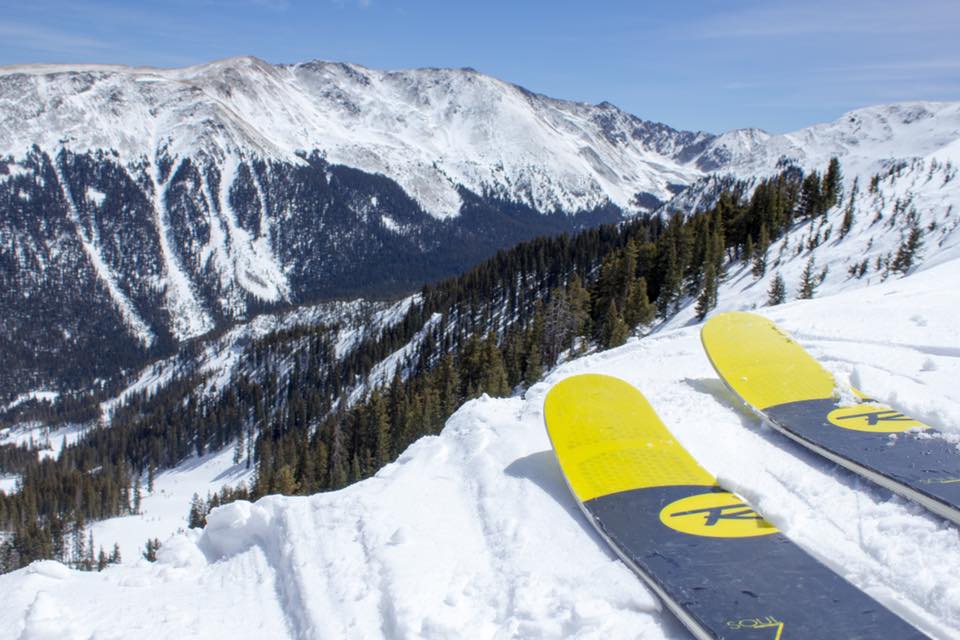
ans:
x=473 y=533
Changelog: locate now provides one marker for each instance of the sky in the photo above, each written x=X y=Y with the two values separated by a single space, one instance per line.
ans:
x=710 y=65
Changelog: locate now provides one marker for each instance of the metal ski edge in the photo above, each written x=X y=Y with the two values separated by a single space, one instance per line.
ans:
x=692 y=625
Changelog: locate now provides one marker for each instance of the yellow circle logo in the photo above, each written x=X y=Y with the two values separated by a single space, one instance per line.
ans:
x=875 y=418
x=715 y=515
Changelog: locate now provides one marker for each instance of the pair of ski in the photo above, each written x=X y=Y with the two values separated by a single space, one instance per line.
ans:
x=722 y=569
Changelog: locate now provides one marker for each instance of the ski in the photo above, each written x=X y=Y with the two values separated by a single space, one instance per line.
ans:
x=722 y=569
x=777 y=378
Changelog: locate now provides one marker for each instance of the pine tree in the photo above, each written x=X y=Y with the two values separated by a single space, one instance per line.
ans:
x=832 y=185
x=777 y=293
x=907 y=252
x=150 y=549
x=808 y=281
x=102 y=560
x=708 y=294
x=579 y=300
x=115 y=554
x=637 y=308
x=811 y=197
x=670 y=286
x=137 y=495
x=379 y=424
x=615 y=330
x=760 y=255
x=197 y=517
x=559 y=326
x=494 y=379
x=284 y=483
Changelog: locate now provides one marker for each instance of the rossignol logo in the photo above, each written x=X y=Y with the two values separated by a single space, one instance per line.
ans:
x=715 y=515
x=768 y=622
x=874 y=418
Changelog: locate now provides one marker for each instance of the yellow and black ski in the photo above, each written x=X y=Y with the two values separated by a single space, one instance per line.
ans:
x=776 y=377
x=722 y=569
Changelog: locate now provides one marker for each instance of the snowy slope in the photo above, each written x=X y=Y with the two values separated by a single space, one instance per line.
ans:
x=473 y=533
x=863 y=139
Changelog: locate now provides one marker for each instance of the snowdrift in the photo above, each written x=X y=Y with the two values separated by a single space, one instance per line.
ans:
x=473 y=533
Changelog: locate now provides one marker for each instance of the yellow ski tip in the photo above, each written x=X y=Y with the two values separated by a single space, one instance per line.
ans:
x=608 y=439
x=761 y=363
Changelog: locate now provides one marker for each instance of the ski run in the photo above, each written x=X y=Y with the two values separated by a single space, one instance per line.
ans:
x=473 y=533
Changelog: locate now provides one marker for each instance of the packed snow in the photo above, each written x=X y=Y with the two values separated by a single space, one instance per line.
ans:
x=473 y=533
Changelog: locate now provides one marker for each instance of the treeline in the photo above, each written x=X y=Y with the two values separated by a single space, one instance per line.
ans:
x=496 y=328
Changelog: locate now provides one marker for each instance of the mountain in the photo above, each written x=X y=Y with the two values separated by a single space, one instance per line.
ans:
x=143 y=207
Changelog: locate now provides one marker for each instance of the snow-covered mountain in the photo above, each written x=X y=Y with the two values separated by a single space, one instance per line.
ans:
x=142 y=207
x=430 y=130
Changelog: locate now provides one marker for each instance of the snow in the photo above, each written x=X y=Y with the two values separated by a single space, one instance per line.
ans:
x=164 y=511
x=9 y=484
x=473 y=533
x=49 y=440
x=41 y=396
x=95 y=196
x=187 y=315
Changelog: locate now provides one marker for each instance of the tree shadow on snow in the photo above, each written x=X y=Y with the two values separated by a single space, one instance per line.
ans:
x=542 y=469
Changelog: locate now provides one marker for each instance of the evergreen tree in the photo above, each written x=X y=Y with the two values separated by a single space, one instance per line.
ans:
x=811 y=197
x=670 y=286
x=579 y=299
x=150 y=549
x=808 y=281
x=285 y=483
x=708 y=294
x=637 y=308
x=907 y=252
x=615 y=330
x=559 y=326
x=494 y=380
x=777 y=293
x=760 y=255
x=832 y=184
x=197 y=517
x=137 y=495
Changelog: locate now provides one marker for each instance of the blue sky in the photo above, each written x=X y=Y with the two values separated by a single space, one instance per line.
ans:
x=712 y=65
